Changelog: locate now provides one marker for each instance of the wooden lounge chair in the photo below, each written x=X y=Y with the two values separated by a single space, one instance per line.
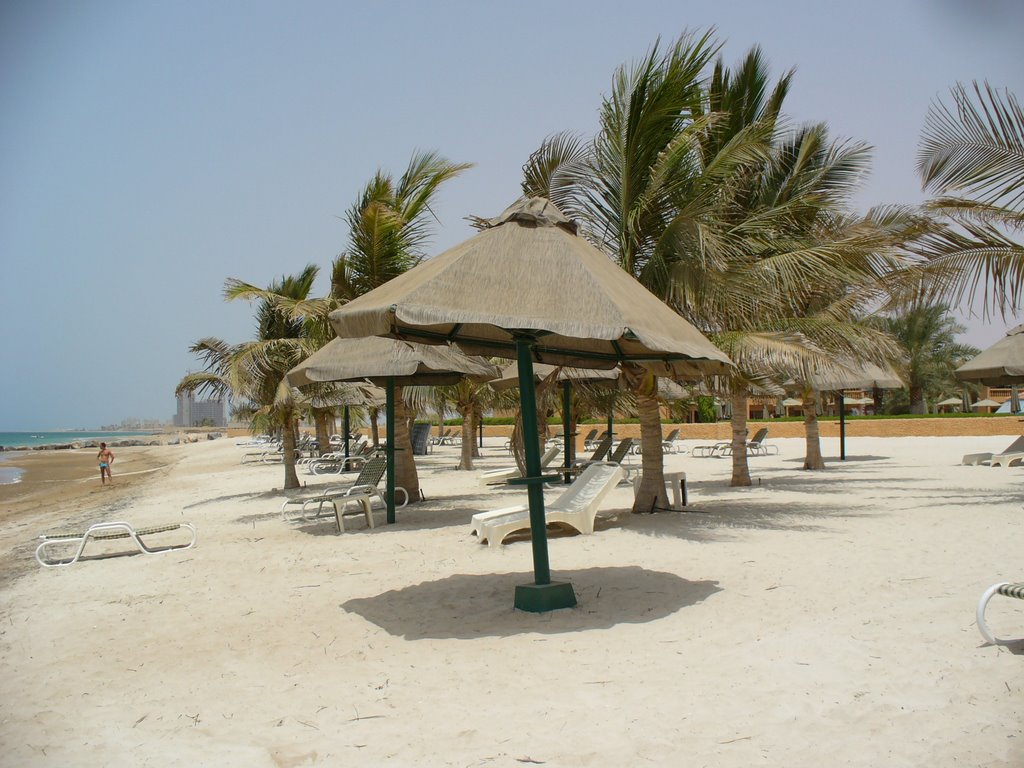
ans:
x=576 y=507
x=1006 y=589
x=107 y=532
x=365 y=483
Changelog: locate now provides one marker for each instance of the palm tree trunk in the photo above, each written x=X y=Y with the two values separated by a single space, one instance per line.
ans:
x=323 y=439
x=405 y=463
x=917 y=403
x=291 y=478
x=651 y=494
x=813 y=459
x=374 y=429
x=740 y=468
x=478 y=418
x=466 y=456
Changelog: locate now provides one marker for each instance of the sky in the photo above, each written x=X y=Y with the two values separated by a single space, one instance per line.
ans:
x=150 y=150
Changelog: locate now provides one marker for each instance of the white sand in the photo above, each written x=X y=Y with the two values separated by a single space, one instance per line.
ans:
x=814 y=619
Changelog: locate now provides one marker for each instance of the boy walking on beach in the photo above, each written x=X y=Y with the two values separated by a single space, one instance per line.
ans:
x=106 y=458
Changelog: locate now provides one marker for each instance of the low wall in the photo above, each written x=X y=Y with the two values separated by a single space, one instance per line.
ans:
x=722 y=430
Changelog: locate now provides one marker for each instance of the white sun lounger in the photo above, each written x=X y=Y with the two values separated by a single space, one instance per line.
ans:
x=103 y=532
x=576 y=507
x=1002 y=588
x=1012 y=452
x=1006 y=459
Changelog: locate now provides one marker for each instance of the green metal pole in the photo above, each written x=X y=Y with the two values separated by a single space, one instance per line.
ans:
x=390 y=453
x=842 y=426
x=566 y=421
x=543 y=595
x=531 y=447
x=346 y=426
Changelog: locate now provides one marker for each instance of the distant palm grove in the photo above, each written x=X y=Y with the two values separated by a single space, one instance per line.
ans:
x=696 y=184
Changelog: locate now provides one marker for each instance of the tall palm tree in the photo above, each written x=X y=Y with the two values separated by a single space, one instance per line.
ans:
x=253 y=372
x=699 y=191
x=927 y=332
x=971 y=157
x=389 y=230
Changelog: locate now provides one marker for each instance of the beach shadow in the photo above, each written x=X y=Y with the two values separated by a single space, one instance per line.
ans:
x=840 y=462
x=466 y=606
x=250 y=496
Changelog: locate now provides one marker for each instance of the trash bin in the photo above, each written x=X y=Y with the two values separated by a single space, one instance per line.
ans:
x=420 y=439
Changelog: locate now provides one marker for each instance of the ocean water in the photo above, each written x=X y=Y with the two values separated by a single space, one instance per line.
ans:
x=33 y=439
x=9 y=440
x=9 y=475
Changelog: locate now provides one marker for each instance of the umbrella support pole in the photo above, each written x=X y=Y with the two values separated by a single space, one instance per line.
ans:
x=842 y=425
x=390 y=406
x=542 y=595
x=567 y=436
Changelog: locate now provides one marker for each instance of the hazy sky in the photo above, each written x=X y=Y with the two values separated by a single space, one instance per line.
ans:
x=149 y=150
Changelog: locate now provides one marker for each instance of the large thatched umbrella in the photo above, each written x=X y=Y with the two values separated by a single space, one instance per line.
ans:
x=529 y=288
x=389 y=362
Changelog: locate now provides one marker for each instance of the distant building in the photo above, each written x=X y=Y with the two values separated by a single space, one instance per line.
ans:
x=199 y=413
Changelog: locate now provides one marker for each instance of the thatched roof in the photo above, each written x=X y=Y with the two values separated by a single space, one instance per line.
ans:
x=377 y=359
x=856 y=376
x=529 y=271
x=1001 y=365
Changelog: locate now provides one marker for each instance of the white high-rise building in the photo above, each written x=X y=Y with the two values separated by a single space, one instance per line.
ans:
x=199 y=413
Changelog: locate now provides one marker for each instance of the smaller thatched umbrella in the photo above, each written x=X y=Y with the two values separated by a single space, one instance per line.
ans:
x=510 y=378
x=986 y=403
x=853 y=375
x=950 y=402
x=389 y=362
x=1001 y=365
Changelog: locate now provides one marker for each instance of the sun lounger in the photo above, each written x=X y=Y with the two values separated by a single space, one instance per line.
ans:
x=1004 y=588
x=1007 y=459
x=974 y=459
x=576 y=507
x=106 y=532
x=493 y=476
x=269 y=456
x=365 y=483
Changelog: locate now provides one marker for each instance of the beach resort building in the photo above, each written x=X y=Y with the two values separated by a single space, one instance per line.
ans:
x=199 y=413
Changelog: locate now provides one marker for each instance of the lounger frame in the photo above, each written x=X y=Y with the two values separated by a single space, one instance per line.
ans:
x=104 y=532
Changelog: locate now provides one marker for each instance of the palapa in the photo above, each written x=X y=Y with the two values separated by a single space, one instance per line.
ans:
x=1001 y=365
x=528 y=287
x=529 y=270
x=389 y=363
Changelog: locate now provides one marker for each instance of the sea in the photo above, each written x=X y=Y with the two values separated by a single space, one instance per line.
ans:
x=33 y=439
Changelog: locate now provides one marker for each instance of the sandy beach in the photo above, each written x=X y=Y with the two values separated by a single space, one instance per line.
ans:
x=813 y=619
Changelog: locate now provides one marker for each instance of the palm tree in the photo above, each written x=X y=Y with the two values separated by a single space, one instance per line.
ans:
x=254 y=371
x=389 y=230
x=700 y=192
x=971 y=157
x=927 y=332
